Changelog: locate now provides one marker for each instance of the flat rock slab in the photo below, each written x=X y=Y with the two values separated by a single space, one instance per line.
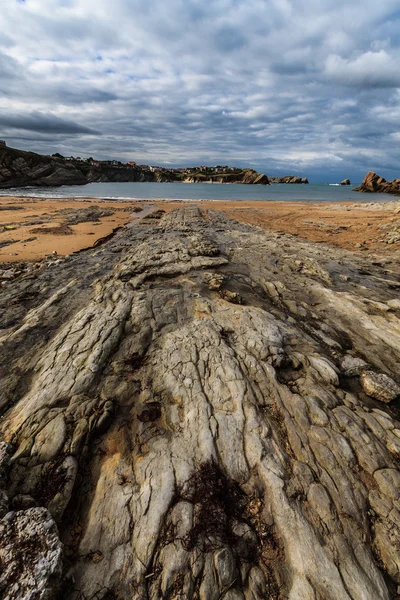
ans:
x=188 y=402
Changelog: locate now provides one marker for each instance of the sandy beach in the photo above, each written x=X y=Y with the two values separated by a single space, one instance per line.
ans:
x=31 y=228
x=346 y=225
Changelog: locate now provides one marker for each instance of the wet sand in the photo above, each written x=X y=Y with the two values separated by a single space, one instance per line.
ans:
x=39 y=227
x=346 y=225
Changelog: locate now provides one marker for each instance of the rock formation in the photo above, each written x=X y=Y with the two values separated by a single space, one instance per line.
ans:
x=372 y=183
x=288 y=179
x=247 y=176
x=19 y=168
x=206 y=411
x=345 y=182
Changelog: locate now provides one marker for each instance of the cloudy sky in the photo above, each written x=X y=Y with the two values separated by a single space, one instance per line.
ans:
x=310 y=87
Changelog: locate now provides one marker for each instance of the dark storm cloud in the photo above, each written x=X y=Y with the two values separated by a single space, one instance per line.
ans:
x=280 y=85
x=8 y=67
x=42 y=123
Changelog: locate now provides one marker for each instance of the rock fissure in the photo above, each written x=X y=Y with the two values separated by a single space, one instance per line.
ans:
x=190 y=446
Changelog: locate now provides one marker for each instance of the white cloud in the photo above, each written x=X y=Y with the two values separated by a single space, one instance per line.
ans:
x=374 y=69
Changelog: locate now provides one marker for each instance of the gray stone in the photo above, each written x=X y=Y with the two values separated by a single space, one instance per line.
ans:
x=352 y=366
x=31 y=556
x=379 y=386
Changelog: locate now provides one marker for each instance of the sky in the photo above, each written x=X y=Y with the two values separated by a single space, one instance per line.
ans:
x=305 y=87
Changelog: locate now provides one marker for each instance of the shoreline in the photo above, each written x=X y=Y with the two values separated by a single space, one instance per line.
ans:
x=35 y=227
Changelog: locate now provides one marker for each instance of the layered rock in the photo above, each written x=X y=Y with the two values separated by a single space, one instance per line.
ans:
x=372 y=183
x=19 y=168
x=246 y=176
x=288 y=179
x=201 y=407
x=106 y=173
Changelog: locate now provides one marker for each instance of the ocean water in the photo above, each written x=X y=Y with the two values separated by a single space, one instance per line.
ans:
x=201 y=191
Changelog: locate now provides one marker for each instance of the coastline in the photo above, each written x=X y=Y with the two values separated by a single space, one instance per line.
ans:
x=315 y=192
x=32 y=228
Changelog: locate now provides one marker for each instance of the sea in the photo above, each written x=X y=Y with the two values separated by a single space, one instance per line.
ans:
x=314 y=192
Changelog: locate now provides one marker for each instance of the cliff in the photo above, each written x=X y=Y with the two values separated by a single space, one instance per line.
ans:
x=372 y=183
x=121 y=173
x=19 y=168
x=200 y=409
x=288 y=179
x=244 y=176
x=105 y=173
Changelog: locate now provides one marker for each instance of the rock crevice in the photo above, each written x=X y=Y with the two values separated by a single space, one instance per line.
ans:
x=214 y=417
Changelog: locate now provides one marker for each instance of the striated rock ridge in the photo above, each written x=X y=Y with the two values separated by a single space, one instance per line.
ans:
x=372 y=183
x=247 y=176
x=198 y=405
x=19 y=168
x=288 y=179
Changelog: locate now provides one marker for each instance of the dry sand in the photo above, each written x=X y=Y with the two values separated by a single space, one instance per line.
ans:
x=338 y=224
x=343 y=225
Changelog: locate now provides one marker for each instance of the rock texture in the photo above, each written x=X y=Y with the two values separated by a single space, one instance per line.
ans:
x=19 y=168
x=185 y=402
x=288 y=179
x=372 y=183
x=30 y=548
x=345 y=182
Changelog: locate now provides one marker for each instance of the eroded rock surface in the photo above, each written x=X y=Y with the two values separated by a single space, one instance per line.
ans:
x=288 y=179
x=373 y=183
x=185 y=402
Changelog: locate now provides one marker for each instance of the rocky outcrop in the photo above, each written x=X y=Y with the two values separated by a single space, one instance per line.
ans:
x=247 y=176
x=201 y=407
x=19 y=168
x=288 y=179
x=345 y=182
x=252 y=177
x=126 y=174
x=109 y=173
x=372 y=183
x=30 y=548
